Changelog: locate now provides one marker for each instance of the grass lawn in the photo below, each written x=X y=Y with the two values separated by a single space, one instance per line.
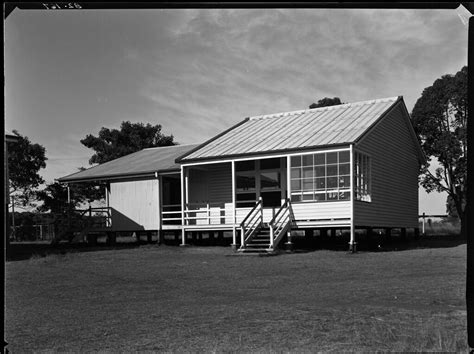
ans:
x=207 y=299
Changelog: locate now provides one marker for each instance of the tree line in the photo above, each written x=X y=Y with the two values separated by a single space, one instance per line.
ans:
x=439 y=118
x=26 y=159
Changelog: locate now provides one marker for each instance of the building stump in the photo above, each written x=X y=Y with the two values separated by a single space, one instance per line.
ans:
x=161 y=237
x=417 y=233
x=111 y=238
x=403 y=233
x=211 y=237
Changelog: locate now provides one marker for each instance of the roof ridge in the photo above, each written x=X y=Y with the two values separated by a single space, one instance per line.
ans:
x=339 y=106
x=168 y=146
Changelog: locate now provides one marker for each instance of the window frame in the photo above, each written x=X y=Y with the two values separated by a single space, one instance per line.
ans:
x=257 y=173
x=363 y=191
x=319 y=162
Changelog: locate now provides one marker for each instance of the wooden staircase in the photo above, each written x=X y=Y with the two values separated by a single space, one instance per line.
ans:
x=259 y=237
x=259 y=243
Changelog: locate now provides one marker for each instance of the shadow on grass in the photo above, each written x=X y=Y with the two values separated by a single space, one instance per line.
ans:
x=25 y=250
x=18 y=251
x=377 y=244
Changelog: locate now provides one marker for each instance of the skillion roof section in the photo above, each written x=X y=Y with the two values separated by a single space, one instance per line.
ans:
x=10 y=137
x=141 y=163
x=292 y=131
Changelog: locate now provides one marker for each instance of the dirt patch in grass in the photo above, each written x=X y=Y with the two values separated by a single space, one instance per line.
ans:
x=160 y=298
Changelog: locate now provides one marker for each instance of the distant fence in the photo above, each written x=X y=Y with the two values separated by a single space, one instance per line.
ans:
x=37 y=232
x=47 y=228
x=426 y=219
x=44 y=231
x=433 y=216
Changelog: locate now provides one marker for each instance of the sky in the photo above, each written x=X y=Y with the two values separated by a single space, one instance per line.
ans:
x=197 y=72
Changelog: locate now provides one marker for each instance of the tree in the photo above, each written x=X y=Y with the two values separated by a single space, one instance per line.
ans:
x=55 y=198
x=325 y=102
x=24 y=230
x=25 y=159
x=88 y=191
x=132 y=137
x=440 y=119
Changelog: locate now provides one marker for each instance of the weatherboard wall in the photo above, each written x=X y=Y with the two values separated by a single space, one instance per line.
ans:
x=135 y=205
x=210 y=185
x=321 y=212
x=394 y=178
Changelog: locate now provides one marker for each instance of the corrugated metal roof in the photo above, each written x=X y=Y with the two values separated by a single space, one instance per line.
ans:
x=146 y=161
x=323 y=126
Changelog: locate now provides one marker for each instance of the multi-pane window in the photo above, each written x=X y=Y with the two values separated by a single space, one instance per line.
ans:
x=270 y=182
x=362 y=178
x=322 y=176
x=246 y=187
x=258 y=178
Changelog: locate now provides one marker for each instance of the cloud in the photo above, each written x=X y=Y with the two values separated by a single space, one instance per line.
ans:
x=198 y=71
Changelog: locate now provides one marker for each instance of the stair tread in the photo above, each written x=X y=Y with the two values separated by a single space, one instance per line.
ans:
x=255 y=251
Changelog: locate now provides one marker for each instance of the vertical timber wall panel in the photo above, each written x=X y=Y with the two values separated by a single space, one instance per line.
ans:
x=213 y=185
x=198 y=186
x=135 y=205
x=220 y=183
x=394 y=179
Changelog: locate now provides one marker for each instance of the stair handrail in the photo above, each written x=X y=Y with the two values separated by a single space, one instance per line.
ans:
x=257 y=203
x=279 y=227
x=251 y=223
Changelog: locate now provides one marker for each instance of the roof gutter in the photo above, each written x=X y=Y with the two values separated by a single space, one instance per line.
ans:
x=266 y=153
x=115 y=177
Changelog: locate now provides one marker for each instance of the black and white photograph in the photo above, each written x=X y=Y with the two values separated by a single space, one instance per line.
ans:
x=236 y=178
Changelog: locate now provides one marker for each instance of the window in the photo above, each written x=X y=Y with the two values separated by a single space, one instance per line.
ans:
x=245 y=181
x=269 y=180
x=256 y=178
x=362 y=172
x=320 y=177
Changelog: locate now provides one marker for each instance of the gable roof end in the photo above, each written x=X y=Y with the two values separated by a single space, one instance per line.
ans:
x=406 y=116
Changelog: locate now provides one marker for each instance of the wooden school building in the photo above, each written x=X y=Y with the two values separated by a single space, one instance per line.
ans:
x=352 y=166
